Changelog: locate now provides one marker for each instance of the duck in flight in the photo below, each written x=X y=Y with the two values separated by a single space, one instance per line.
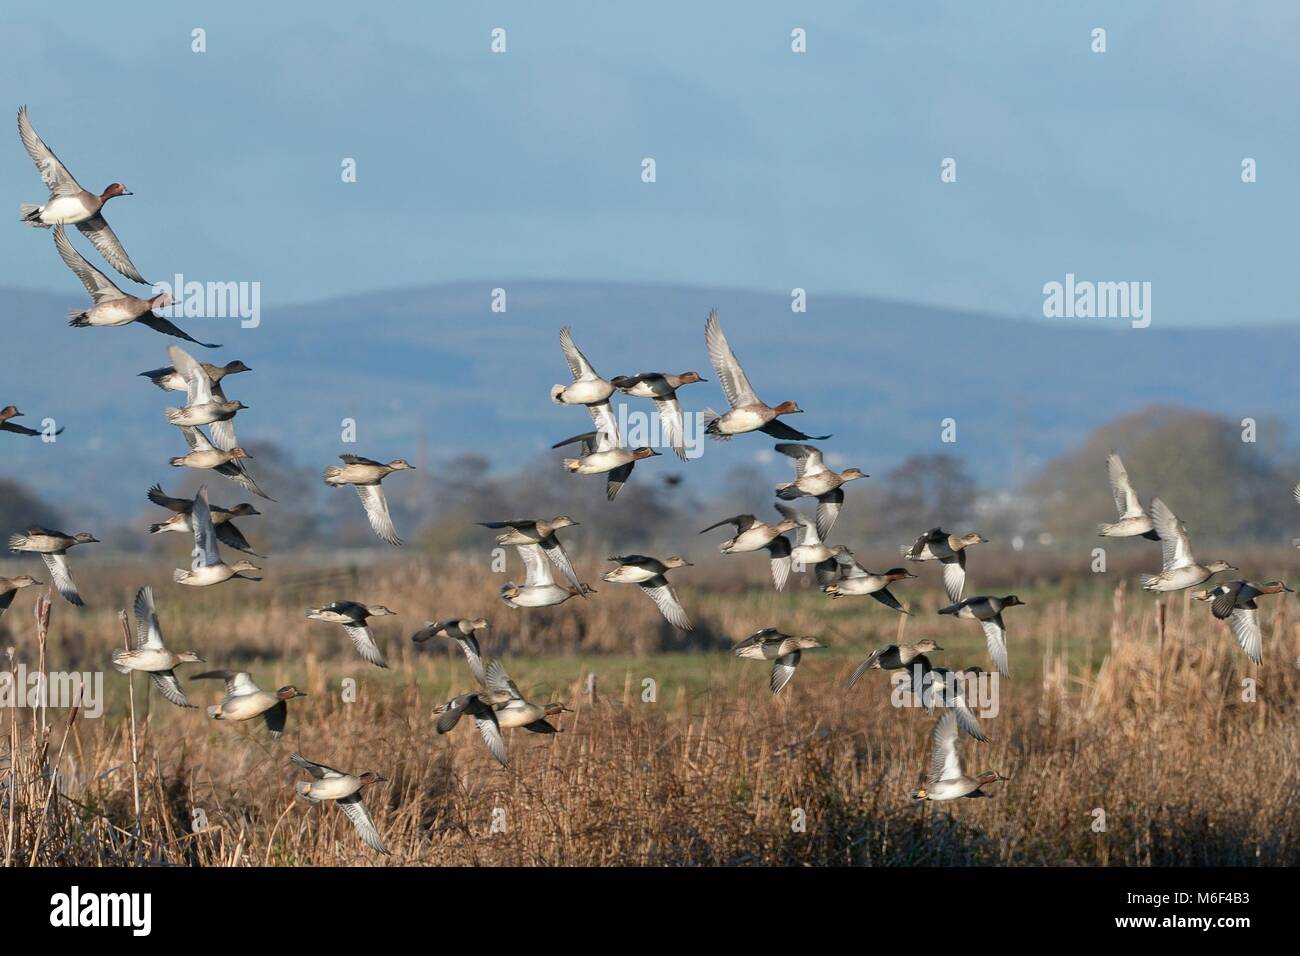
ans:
x=814 y=479
x=149 y=655
x=603 y=452
x=747 y=412
x=71 y=205
x=1133 y=518
x=754 y=535
x=11 y=411
x=208 y=568
x=111 y=306
x=365 y=474
x=651 y=575
x=662 y=387
x=53 y=547
x=1180 y=570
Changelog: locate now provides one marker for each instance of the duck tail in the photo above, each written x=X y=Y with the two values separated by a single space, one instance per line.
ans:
x=78 y=319
x=787 y=493
x=918 y=793
x=556 y=392
x=173 y=414
x=118 y=654
x=711 y=425
x=16 y=542
x=331 y=473
x=214 y=712
x=177 y=462
x=155 y=529
x=179 y=575
x=1103 y=530
x=1148 y=580
x=950 y=609
x=572 y=463
x=30 y=213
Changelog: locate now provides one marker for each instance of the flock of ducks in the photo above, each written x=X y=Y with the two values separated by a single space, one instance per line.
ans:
x=495 y=703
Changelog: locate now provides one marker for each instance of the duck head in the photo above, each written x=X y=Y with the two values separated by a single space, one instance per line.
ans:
x=8 y=412
x=576 y=592
x=230 y=368
x=898 y=574
x=807 y=643
x=927 y=646
x=1214 y=567
x=850 y=474
x=479 y=624
x=114 y=189
x=238 y=452
x=677 y=561
x=990 y=776
x=973 y=537
x=378 y=610
x=190 y=657
x=24 y=581
x=1011 y=601
x=243 y=509
x=85 y=537
x=1273 y=587
x=788 y=408
x=562 y=521
x=644 y=453
x=288 y=692
x=370 y=776
x=688 y=378
x=400 y=464
x=242 y=565
x=553 y=709
x=162 y=301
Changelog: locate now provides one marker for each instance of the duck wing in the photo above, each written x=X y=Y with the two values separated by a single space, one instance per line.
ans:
x=536 y=566
x=783 y=669
x=170 y=688
x=317 y=770
x=670 y=606
x=232 y=537
x=742 y=522
x=365 y=644
x=102 y=237
x=732 y=378
x=167 y=327
x=53 y=173
x=22 y=429
x=61 y=575
x=1226 y=600
x=944 y=763
x=1126 y=499
x=828 y=510
x=995 y=636
x=490 y=731
x=356 y=811
x=376 y=505
x=275 y=717
x=954 y=576
x=147 y=632
x=1176 y=546
x=99 y=286
x=779 y=554
x=671 y=427
x=206 y=550
x=616 y=478
x=578 y=364
x=888 y=600
x=553 y=550
x=500 y=684
x=779 y=429
x=807 y=459
x=198 y=385
x=1245 y=628
x=177 y=505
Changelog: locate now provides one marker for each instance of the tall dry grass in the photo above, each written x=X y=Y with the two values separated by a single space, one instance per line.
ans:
x=1106 y=711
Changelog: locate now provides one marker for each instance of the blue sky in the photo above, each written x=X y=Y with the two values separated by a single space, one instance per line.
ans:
x=775 y=170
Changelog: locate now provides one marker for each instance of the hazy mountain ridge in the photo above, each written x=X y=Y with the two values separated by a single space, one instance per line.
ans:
x=432 y=370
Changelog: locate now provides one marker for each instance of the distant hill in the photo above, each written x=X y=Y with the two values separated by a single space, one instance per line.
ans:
x=431 y=371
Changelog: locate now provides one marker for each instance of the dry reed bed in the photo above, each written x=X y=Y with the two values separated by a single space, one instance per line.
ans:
x=1106 y=711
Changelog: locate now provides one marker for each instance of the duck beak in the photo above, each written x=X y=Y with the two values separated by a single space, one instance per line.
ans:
x=937 y=647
